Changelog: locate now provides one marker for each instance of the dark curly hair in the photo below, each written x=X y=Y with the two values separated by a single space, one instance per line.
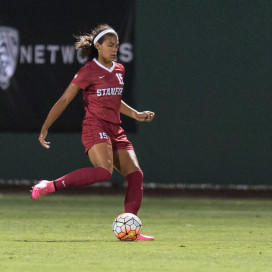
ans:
x=85 y=42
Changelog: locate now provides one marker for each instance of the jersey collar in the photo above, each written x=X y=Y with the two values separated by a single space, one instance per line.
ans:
x=104 y=67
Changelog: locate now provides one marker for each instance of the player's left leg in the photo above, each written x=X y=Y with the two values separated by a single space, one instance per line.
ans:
x=125 y=161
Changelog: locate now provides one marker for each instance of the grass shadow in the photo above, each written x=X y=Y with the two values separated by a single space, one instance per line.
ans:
x=54 y=241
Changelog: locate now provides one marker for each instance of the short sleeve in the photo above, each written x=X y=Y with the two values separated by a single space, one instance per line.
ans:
x=122 y=68
x=81 y=78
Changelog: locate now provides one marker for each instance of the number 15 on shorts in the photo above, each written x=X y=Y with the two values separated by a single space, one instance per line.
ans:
x=103 y=135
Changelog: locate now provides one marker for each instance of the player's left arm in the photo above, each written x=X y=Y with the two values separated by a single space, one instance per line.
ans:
x=144 y=116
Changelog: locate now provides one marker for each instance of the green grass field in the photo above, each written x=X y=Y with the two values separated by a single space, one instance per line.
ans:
x=73 y=233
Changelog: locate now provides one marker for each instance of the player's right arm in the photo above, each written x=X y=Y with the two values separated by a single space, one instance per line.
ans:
x=56 y=111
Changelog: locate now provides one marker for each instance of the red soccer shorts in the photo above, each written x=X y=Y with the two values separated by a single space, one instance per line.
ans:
x=95 y=131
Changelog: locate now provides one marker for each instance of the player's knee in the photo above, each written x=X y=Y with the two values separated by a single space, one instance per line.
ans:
x=134 y=169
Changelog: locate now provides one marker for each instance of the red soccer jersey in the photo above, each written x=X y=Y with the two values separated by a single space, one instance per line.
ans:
x=102 y=90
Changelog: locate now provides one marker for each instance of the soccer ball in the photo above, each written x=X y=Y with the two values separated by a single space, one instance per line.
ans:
x=127 y=227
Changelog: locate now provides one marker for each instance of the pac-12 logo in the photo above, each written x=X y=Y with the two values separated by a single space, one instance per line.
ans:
x=9 y=49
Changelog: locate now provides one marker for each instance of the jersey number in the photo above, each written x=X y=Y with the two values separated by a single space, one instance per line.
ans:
x=120 y=78
x=103 y=135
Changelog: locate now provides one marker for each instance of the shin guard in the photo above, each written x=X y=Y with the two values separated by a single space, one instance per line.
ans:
x=134 y=193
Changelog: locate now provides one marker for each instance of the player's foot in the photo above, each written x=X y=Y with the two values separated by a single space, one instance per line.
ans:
x=43 y=188
x=144 y=238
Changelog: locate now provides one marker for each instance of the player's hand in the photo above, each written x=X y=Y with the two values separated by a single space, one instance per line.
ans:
x=145 y=116
x=42 y=137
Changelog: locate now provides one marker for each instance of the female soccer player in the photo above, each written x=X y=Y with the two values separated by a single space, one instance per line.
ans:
x=105 y=142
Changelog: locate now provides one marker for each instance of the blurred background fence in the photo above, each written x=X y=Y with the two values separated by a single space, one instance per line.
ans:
x=204 y=68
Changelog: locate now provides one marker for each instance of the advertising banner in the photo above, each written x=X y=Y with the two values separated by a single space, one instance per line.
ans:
x=38 y=59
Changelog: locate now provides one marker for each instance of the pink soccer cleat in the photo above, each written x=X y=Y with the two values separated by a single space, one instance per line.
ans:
x=43 y=188
x=144 y=238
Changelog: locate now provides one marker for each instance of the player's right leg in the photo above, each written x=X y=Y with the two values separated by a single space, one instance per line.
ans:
x=101 y=156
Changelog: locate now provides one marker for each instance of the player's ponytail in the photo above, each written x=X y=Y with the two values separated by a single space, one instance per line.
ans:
x=86 y=42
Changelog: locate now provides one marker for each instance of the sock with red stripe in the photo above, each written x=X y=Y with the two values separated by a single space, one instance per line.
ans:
x=134 y=193
x=82 y=177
